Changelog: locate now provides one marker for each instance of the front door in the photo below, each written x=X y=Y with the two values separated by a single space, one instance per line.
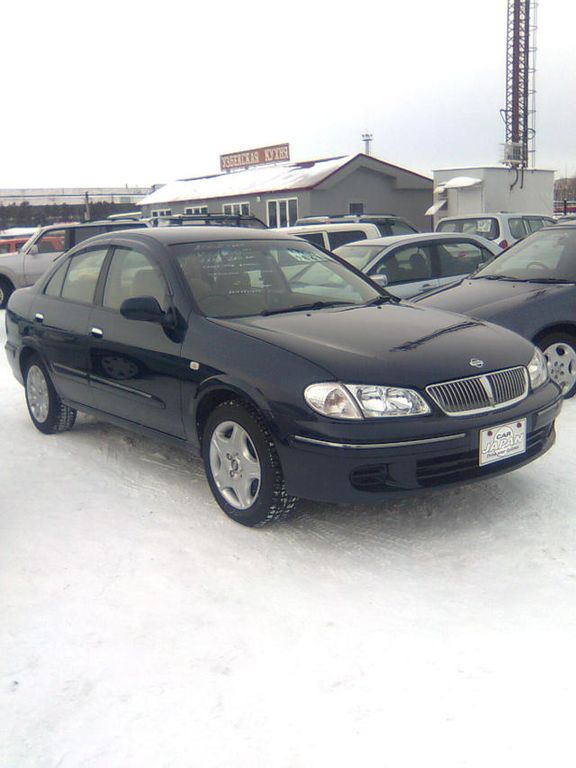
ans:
x=135 y=367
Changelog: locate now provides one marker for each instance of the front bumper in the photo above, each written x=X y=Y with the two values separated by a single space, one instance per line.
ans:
x=330 y=468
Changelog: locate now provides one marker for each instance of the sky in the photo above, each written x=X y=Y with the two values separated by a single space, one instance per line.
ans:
x=134 y=93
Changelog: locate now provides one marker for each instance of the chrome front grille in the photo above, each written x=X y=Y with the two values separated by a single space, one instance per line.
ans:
x=479 y=394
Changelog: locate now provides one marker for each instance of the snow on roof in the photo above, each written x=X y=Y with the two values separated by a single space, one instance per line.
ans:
x=259 y=180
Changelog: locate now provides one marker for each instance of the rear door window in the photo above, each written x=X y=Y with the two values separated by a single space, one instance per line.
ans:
x=336 y=239
x=517 y=228
x=83 y=233
x=82 y=276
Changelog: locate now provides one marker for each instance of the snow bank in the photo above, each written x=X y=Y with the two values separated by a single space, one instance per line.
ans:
x=140 y=627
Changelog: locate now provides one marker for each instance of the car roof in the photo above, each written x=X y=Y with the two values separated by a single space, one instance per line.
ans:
x=495 y=214
x=176 y=235
x=330 y=227
x=386 y=242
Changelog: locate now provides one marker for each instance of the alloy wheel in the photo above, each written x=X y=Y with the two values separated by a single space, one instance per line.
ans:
x=235 y=465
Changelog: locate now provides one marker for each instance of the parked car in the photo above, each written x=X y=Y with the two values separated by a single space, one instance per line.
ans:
x=25 y=266
x=215 y=339
x=531 y=289
x=413 y=264
x=331 y=232
x=503 y=228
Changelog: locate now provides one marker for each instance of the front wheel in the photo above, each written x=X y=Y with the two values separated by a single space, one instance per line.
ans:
x=243 y=467
x=560 y=353
x=47 y=411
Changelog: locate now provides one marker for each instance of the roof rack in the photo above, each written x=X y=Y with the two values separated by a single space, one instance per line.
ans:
x=208 y=219
x=341 y=218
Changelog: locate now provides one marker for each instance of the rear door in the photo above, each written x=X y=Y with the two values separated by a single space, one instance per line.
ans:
x=61 y=320
x=135 y=365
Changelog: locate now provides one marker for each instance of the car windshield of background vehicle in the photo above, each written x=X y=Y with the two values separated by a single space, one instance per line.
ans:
x=485 y=227
x=238 y=279
x=358 y=255
x=546 y=256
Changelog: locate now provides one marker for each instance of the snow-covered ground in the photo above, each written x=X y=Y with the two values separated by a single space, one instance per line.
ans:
x=139 y=627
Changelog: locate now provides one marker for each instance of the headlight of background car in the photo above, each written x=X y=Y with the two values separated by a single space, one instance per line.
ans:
x=538 y=369
x=353 y=401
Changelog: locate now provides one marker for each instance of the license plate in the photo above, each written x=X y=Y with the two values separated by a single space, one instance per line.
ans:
x=502 y=442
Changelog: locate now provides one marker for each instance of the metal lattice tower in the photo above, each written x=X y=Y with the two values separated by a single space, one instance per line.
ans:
x=520 y=91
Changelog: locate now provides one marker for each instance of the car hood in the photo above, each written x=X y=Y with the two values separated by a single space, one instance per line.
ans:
x=397 y=344
x=489 y=299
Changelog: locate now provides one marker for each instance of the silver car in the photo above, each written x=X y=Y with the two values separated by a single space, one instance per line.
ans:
x=18 y=270
x=408 y=265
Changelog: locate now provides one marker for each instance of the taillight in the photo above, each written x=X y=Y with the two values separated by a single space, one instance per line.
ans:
x=503 y=244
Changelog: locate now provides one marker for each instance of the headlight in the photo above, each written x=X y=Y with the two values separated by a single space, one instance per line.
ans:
x=538 y=369
x=354 y=401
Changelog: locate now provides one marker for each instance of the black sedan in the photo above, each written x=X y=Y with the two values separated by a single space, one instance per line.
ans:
x=530 y=289
x=331 y=390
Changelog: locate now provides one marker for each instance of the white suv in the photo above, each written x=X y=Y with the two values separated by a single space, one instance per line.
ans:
x=334 y=231
x=505 y=229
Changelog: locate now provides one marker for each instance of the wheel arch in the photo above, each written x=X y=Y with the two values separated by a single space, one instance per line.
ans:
x=216 y=393
x=569 y=328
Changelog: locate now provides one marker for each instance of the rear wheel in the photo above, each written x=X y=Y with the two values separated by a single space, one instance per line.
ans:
x=47 y=411
x=243 y=467
x=6 y=290
x=560 y=353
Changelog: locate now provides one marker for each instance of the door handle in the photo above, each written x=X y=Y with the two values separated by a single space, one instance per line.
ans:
x=39 y=317
x=97 y=332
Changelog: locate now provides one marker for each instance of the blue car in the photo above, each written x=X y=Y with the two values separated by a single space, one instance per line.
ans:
x=530 y=289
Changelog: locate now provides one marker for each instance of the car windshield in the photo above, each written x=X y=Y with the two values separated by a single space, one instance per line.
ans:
x=358 y=255
x=546 y=256
x=241 y=278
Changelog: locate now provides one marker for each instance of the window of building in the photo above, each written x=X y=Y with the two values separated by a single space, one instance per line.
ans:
x=236 y=209
x=198 y=210
x=161 y=212
x=82 y=276
x=282 y=213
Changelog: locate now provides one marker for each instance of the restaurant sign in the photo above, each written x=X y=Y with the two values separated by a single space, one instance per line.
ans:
x=259 y=156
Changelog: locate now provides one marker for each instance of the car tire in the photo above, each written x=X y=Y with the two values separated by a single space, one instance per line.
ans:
x=243 y=467
x=46 y=409
x=560 y=352
x=6 y=290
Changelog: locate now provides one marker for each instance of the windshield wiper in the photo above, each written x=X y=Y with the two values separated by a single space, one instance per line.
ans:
x=498 y=277
x=302 y=307
x=549 y=280
x=382 y=300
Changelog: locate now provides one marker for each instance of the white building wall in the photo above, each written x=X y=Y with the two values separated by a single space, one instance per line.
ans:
x=500 y=189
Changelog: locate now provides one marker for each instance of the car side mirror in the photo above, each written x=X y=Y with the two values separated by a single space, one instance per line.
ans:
x=33 y=250
x=380 y=280
x=142 y=308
